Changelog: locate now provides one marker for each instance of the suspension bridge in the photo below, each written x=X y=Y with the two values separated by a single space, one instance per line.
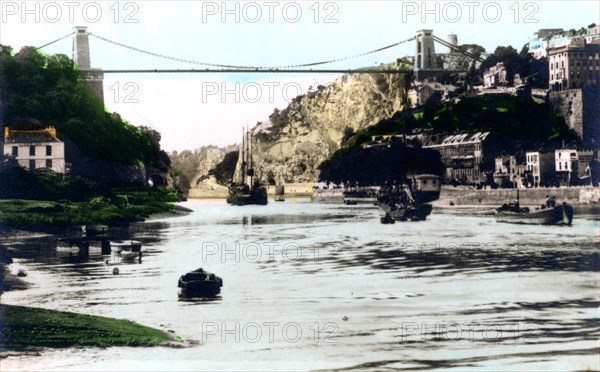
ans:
x=425 y=60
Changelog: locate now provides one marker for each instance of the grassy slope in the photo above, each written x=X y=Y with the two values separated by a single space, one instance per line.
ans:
x=24 y=328
x=22 y=213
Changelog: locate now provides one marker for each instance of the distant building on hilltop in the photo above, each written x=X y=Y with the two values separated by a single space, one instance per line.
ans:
x=495 y=76
x=548 y=38
x=575 y=87
x=35 y=149
x=574 y=65
x=420 y=93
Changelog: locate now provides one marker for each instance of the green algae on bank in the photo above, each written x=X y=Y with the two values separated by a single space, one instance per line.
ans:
x=27 y=328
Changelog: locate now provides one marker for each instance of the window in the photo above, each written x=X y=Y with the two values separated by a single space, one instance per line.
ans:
x=48 y=150
x=15 y=151
x=32 y=164
x=49 y=163
x=32 y=150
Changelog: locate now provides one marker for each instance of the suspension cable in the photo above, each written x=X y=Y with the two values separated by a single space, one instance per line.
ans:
x=246 y=67
x=52 y=42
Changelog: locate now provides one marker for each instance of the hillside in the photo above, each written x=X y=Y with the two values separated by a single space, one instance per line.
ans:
x=189 y=167
x=40 y=90
x=519 y=118
x=294 y=141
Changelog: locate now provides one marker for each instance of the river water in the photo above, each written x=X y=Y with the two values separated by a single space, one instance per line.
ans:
x=310 y=286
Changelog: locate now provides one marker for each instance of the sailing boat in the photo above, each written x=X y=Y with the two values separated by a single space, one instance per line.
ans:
x=246 y=188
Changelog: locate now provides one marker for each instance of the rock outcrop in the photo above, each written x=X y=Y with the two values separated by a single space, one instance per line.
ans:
x=293 y=142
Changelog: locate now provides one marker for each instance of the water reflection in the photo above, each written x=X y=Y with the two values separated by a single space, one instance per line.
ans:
x=327 y=264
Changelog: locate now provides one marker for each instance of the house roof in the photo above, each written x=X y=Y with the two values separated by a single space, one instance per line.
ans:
x=30 y=136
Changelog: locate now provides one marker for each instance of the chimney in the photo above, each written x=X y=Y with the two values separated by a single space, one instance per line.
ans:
x=52 y=131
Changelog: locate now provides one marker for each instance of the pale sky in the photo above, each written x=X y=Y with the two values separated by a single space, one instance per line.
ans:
x=192 y=110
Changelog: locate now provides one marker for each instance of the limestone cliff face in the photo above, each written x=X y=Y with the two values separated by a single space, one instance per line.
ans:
x=294 y=141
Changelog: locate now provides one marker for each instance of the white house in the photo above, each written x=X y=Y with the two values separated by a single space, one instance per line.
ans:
x=35 y=149
x=566 y=165
x=540 y=167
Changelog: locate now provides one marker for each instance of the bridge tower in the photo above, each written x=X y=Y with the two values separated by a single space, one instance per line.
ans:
x=94 y=77
x=425 y=58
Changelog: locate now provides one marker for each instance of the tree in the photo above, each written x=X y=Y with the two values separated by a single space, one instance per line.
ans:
x=376 y=165
x=40 y=90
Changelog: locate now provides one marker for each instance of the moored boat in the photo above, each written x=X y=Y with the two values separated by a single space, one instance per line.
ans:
x=558 y=215
x=548 y=214
x=200 y=283
x=366 y=195
x=90 y=230
x=126 y=245
x=399 y=205
x=246 y=189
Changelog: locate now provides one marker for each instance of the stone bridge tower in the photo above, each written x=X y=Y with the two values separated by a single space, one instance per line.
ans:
x=94 y=77
x=425 y=58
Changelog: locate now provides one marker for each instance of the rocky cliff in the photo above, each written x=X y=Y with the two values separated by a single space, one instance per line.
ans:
x=292 y=143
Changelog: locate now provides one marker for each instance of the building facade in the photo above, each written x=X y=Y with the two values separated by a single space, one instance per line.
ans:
x=35 y=149
x=540 y=168
x=495 y=76
x=508 y=172
x=463 y=156
x=545 y=39
x=566 y=166
x=574 y=65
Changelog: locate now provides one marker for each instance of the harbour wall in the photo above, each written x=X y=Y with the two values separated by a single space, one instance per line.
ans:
x=534 y=196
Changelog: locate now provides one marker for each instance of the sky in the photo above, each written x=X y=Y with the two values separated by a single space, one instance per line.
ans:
x=193 y=110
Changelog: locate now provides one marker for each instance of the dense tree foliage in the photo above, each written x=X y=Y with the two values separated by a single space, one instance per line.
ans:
x=51 y=90
x=521 y=63
x=376 y=165
x=512 y=117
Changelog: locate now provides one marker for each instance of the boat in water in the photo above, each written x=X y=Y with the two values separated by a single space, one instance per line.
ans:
x=547 y=214
x=200 y=283
x=361 y=195
x=246 y=189
x=127 y=251
x=399 y=205
x=92 y=230
x=119 y=246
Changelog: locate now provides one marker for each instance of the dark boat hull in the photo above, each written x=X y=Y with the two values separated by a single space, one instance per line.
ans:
x=255 y=197
x=201 y=289
x=360 y=197
x=559 y=215
x=199 y=283
x=416 y=212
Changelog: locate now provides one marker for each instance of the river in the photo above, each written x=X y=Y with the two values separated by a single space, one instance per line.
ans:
x=312 y=286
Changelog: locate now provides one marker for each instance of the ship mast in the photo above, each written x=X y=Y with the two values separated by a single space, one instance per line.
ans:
x=243 y=168
x=251 y=160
